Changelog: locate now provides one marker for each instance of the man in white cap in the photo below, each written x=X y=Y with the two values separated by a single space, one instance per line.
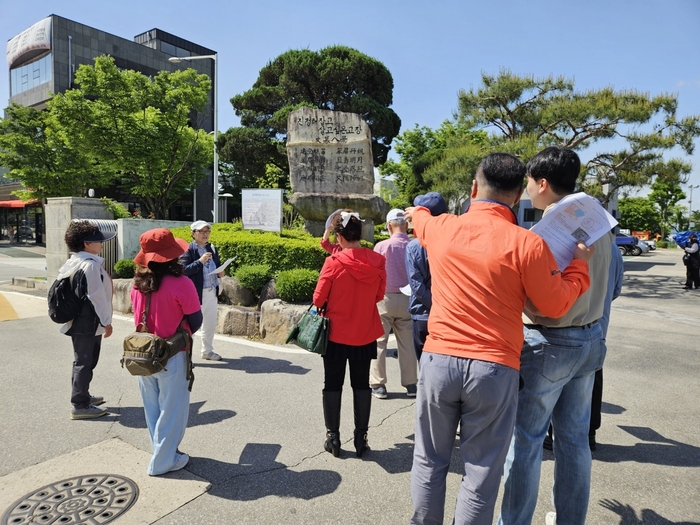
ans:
x=199 y=261
x=393 y=310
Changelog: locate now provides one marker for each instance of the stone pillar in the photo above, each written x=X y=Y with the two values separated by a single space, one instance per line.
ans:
x=59 y=212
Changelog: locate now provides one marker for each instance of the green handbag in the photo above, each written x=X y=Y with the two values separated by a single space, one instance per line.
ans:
x=311 y=332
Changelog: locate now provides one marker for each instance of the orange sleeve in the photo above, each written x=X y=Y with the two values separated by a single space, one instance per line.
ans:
x=552 y=292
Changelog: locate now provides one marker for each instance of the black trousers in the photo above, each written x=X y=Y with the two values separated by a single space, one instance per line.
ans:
x=692 y=276
x=596 y=402
x=334 y=374
x=86 y=353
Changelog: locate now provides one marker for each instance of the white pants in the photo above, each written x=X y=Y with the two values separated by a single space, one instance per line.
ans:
x=209 y=314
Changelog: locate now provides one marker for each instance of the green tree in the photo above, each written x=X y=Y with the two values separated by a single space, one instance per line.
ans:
x=38 y=154
x=665 y=193
x=695 y=220
x=335 y=78
x=639 y=213
x=420 y=148
x=140 y=128
x=526 y=114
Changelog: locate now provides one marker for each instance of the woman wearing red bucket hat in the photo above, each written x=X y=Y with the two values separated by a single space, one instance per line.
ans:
x=165 y=394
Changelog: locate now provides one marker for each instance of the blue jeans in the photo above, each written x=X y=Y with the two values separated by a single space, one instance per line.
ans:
x=557 y=366
x=481 y=397
x=166 y=402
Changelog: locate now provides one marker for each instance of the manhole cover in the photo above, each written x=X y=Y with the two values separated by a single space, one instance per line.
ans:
x=88 y=500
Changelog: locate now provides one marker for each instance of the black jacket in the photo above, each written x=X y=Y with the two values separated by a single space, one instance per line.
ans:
x=195 y=269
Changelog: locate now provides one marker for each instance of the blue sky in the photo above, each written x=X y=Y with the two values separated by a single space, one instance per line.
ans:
x=432 y=48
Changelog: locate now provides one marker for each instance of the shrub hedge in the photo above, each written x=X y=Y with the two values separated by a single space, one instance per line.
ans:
x=286 y=251
x=254 y=276
x=296 y=286
x=124 y=268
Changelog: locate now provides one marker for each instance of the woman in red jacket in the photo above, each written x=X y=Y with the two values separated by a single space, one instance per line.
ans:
x=351 y=284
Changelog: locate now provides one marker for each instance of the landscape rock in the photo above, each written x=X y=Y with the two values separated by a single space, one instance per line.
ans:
x=277 y=319
x=231 y=292
x=238 y=320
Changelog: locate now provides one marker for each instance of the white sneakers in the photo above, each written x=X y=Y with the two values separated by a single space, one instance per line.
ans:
x=180 y=462
x=211 y=356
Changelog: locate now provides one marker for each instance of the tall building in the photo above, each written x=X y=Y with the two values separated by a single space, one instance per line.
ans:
x=43 y=59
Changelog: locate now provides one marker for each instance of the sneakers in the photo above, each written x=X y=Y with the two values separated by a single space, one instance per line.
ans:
x=90 y=412
x=551 y=518
x=379 y=392
x=180 y=461
x=211 y=356
x=97 y=400
x=411 y=390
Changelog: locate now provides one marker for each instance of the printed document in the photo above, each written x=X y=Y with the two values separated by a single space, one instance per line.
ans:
x=577 y=217
x=222 y=267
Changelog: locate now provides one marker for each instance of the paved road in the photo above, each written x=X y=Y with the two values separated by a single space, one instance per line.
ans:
x=256 y=429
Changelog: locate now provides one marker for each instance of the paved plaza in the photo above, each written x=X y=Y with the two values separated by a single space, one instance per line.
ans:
x=256 y=433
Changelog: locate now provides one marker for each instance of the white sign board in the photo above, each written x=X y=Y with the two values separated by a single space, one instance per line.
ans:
x=262 y=209
x=36 y=37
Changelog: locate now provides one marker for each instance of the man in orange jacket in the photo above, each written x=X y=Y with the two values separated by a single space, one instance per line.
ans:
x=483 y=267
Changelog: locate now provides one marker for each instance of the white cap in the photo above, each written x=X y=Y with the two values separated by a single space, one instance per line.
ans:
x=395 y=215
x=198 y=225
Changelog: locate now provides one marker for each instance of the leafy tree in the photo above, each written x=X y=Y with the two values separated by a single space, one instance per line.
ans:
x=36 y=151
x=139 y=128
x=639 y=213
x=335 y=78
x=525 y=114
x=666 y=192
x=694 y=219
x=422 y=147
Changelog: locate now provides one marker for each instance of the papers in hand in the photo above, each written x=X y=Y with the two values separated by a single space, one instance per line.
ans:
x=577 y=217
x=222 y=267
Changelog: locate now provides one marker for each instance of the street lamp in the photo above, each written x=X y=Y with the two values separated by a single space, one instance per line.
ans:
x=214 y=57
x=690 y=202
x=226 y=196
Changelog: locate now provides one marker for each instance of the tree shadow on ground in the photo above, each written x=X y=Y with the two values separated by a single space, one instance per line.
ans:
x=258 y=474
x=399 y=458
x=255 y=365
x=628 y=515
x=656 y=450
x=134 y=417
x=609 y=408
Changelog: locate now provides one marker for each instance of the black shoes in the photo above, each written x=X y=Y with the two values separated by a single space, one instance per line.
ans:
x=332 y=443
x=360 y=443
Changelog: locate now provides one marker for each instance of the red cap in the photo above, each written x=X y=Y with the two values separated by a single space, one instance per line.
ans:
x=159 y=245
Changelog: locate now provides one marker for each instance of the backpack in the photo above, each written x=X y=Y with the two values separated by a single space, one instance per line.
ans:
x=64 y=304
x=146 y=354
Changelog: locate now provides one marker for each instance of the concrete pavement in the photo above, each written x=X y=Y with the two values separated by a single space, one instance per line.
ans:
x=256 y=431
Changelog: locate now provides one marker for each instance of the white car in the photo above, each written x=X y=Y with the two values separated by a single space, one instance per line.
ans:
x=644 y=246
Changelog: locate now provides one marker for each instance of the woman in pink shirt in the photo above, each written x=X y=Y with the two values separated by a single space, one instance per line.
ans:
x=165 y=394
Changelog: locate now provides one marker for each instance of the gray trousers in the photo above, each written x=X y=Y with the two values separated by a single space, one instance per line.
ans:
x=480 y=396
x=86 y=353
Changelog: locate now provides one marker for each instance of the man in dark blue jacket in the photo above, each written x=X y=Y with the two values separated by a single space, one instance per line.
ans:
x=419 y=274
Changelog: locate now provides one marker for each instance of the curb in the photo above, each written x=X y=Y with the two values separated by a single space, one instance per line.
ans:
x=28 y=282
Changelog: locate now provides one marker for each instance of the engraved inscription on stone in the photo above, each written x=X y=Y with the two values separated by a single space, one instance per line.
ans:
x=329 y=152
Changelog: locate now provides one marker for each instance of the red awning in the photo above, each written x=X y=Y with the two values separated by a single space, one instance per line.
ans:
x=17 y=203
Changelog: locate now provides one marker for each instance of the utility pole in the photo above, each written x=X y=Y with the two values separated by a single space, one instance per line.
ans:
x=690 y=203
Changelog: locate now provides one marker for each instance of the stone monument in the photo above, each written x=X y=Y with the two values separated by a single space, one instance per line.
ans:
x=331 y=167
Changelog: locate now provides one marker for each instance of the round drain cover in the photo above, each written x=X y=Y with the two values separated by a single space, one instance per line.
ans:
x=95 y=500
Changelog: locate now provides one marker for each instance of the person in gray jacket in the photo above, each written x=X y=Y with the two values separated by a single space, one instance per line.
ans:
x=90 y=280
x=419 y=274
